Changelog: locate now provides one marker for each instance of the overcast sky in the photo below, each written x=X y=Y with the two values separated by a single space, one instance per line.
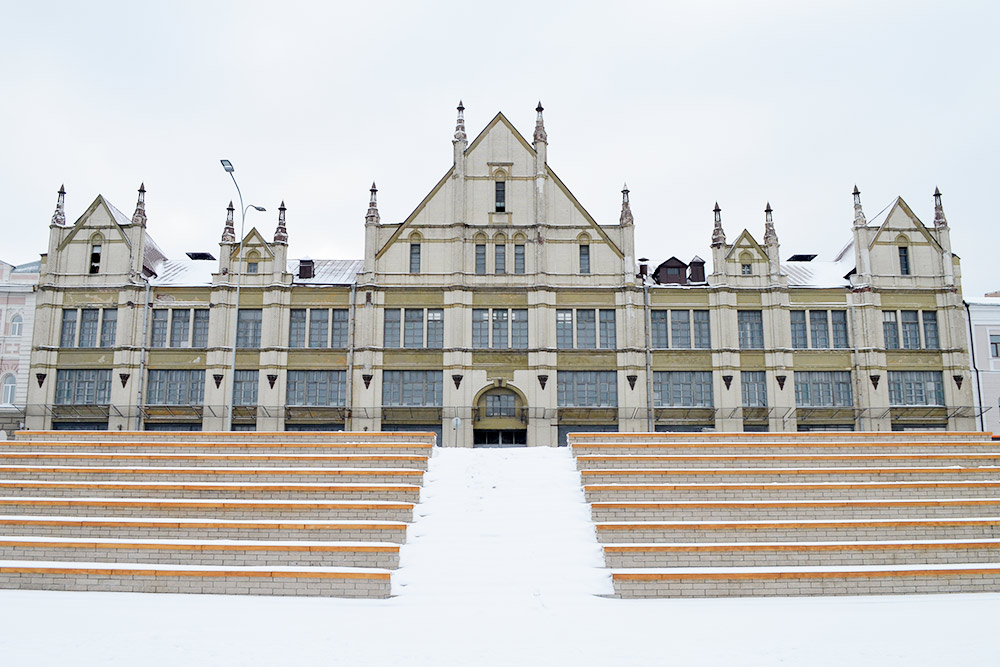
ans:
x=744 y=103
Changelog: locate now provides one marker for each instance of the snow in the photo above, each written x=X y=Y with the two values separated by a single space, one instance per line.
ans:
x=502 y=567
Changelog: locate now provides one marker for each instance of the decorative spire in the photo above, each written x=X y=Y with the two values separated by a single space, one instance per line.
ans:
x=859 y=215
x=939 y=219
x=229 y=231
x=59 y=216
x=139 y=217
x=281 y=234
x=460 y=135
x=626 y=217
x=770 y=236
x=540 y=125
x=718 y=236
x=372 y=216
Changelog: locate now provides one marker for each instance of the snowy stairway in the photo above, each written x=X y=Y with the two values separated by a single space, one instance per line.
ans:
x=700 y=515
x=237 y=513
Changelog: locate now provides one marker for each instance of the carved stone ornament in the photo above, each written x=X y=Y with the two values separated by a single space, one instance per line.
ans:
x=40 y=377
x=367 y=377
x=271 y=379
x=218 y=379
x=781 y=381
x=124 y=378
x=958 y=380
x=542 y=379
x=457 y=379
x=875 y=377
x=631 y=380
x=728 y=379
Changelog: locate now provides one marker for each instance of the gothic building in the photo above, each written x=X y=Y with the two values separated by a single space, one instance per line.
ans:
x=499 y=312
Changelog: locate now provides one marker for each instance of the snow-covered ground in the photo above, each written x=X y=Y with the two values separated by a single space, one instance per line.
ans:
x=502 y=568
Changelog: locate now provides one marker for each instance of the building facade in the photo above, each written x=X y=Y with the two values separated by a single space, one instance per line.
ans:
x=17 y=318
x=984 y=347
x=500 y=312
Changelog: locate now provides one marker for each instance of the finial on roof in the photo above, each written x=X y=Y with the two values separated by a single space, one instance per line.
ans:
x=859 y=214
x=718 y=235
x=139 y=217
x=939 y=219
x=229 y=231
x=540 y=134
x=281 y=233
x=59 y=216
x=770 y=236
x=372 y=215
x=626 y=217
x=460 y=135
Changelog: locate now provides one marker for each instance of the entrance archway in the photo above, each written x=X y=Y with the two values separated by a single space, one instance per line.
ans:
x=500 y=417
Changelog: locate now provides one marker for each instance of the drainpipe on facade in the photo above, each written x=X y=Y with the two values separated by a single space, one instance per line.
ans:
x=975 y=368
x=349 y=398
x=858 y=380
x=649 y=358
x=142 y=360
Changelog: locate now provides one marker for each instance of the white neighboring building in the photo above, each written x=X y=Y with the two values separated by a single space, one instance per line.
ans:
x=17 y=317
x=984 y=318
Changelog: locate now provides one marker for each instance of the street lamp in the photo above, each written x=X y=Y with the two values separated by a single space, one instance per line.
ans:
x=228 y=166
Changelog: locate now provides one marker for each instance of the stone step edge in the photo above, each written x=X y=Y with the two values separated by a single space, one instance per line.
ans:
x=805 y=572
x=167 y=444
x=846 y=502
x=160 y=470
x=167 y=522
x=794 y=485
x=125 y=569
x=778 y=457
x=193 y=545
x=248 y=503
x=793 y=523
x=203 y=486
x=893 y=470
x=667 y=547
x=225 y=457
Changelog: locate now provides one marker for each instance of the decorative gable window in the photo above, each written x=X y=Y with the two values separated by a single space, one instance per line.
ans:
x=584 y=242
x=904 y=254
x=253 y=262
x=95 y=253
x=415 y=252
x=500 y=189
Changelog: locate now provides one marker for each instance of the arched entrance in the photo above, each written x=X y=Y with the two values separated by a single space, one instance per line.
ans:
x=499 y=417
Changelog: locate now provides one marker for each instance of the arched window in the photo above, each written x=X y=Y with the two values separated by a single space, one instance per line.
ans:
x=253 y=261
x=746 y=264
x=415 y=252
x=15 y=325
x=903 y=248
x=500 y=254
x=519 y=253
x=96 y=243
x=584 y=242
x=480 y=254
x=500 y=191
x=9 y=388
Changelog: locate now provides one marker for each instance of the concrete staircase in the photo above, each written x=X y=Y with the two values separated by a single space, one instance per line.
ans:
x=740 y=514
x=235 y=513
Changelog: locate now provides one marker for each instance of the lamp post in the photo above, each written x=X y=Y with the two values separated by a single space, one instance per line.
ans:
x=228 y=166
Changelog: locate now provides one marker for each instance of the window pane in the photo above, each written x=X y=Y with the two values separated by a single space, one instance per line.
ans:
x=501 y=196
x=682 y=389
x=585 y=259
x=412 y=388
x=435 y=328
x=200 y=334
x=519 y=328
x=179 y=326
x=931 y=330
x=414 y=258
x=904 y=261
x=754 y=384
x=338 y=334
x=798 y=318
x=839 y=318
x=916 y=388
x=391 y=333
x=88 y=327
x=158 y=337
x=586 y=329
x=658 y=328
x=609 y=338
x=519 y=259
x=911 y=329
x=500 y=328
x=316 y=388
x=820 y=328
x=83 y=387
x=587 y=388
x=480 y=328
x=823 y=389
x=245 y=387
x=480 y=259
x=297 y=327
x=890 y=330
x=176 y=387
x=248 y=327
x=751 y=329
x=702 y=330
x=318 y=326
x=500 y=258
x=680 y=328
x=413 y=332
x=564 y=329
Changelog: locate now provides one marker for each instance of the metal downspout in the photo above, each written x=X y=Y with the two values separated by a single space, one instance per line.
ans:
x=975 y=368
x=349 y=398
x=142 y=360
x=649 y=358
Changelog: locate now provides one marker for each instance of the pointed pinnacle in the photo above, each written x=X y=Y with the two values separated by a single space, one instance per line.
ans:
x=539 y=107
x=716 y=209
x=937 y=193
x=856 y=191
x=768 y=208
x=282 y=207
x=625 y=187
x=142 y=187
x=62 y=189
x=461 y=107
x=374 y=189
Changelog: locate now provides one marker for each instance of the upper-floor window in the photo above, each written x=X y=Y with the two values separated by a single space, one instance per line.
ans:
x=89 y=318
x=176 y=387
x=500 y=328
x=187 y=327
x=248 y=325
x=500 y=258
x=316 y=388
x=994 y=346
x=587 y=389
x=95 y=258
x=904 y=260
x=413 y=327
x=480 y=259
x=500 y=403
x=750 y=324
x=819 y=329
x=584 y=258
x=823 y=389
x=9 y=389
x=414 y=257
x=916 y=388
x=682 y=389
x=908 y=322
x=96 y=327
x=412 y=388
x=519 y=258
x=321 y=327
x=746 y=269
x=674 y=328
x=16 y=323
x=253 y=262
x=245 y=387
x=754 y=387
x=407 y=326
x=500 y=189
x=83 y=386
x=586 y=328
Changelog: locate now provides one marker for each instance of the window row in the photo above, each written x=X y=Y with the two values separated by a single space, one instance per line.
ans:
x=907 y=323
x=593 y=329
x=500 y=328
x=819 y=329
x=413 y=327
x=179 y=327
x=500 y=262
x=318 y=327
x=680 y=329
x=88 y=327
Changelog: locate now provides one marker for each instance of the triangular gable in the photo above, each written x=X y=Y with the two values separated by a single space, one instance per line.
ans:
x=499 y=118
x=409 y=219
x=745 y=241
x=117 y=218
x=252 y=241
x=584 y=213
x=915 y=224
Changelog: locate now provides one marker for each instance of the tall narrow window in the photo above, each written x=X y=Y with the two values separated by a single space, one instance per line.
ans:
x=67 y=337
x=435 y=328
x=390 y=334
x=680 y=328
x=253 y=262
x=519 y=328
x=88 y=327
x=501 y=196
x=297 y=327
x=751 y=329
x=245 y=387
x=586 y=329
x=199 y=336
x=584 y=259
x=481 y=328
x=109 y=326
x=338 y=331
x=414 y=258
x=799 y=333
x=480 y=259
x=904 y=260
x=95 y=258
x=820 y=328
x=500 y=258
x=890 y=330
x=500 y=316
x=413 y=328
x=911 y=329
x=754 y=386
x=609 y=337
x=839 y=320
x=180 y=324
x=9 y=389
x=248 y=322
x=564 y=329
x=158 y=333
x=15 y=325
x=318 y=326
x=702 y=330
x=519 y=258
x=931 y=341
x=658 y=323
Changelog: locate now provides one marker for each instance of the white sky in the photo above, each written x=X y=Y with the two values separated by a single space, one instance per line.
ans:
x=743 y=103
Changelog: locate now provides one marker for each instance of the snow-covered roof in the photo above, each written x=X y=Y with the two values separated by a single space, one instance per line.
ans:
x=328 y=271
x=29 y=267
x=195 y=272
x=153 y=256
x=120 y=217
x=821 y=273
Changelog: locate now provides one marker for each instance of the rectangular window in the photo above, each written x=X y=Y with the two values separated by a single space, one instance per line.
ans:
x=823 y=389
x=390 y=334
x=994 y=346
x=675 y=389
x=83 y=387
x=500 y=258
x=658 y=329
x=596 y=389
x=500 y=328
x=904 y=261
x=585 y=259
x=819 y=328
x=519 y=328
x=481 y=328
x=609 y=336
x=413 y=328
x=519 y=258
x=702 y=330
x=319 y=323
x=412 y=388
x=180 y=324
x=800 y=339
x=839 y=319
x=176 y=387
x=248 y=322
x=890 y=330
x=500 y=188
x=480 y=259
x=435 y=328
x=199 y=337
x=754 y=384
x=500 y=405
x=95 y=258
x=916 y=388
x=88 y=327
x=109 y=327
x=931 y=341
x=158 y=335
x=564 y=329
x=338 y=332
x=911 y=329
x=317 y=388
x=414 y=258
x=680 y=329
x=586 y=329
x=297 y=327
x=751 y=329
x=245 y=387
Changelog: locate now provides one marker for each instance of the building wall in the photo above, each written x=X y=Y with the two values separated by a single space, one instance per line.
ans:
x=984 y=315
x=17 y=319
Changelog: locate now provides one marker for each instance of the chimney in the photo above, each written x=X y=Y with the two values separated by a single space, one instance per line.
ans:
x=306 y=268
x=643 y=267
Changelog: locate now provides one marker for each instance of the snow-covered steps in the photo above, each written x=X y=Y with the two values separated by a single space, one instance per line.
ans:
x=106 y=473
x=168 y=460
x=794 y=490
x=235 y=553
x=790 y=581
x=223 y=580
x=801 y=554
